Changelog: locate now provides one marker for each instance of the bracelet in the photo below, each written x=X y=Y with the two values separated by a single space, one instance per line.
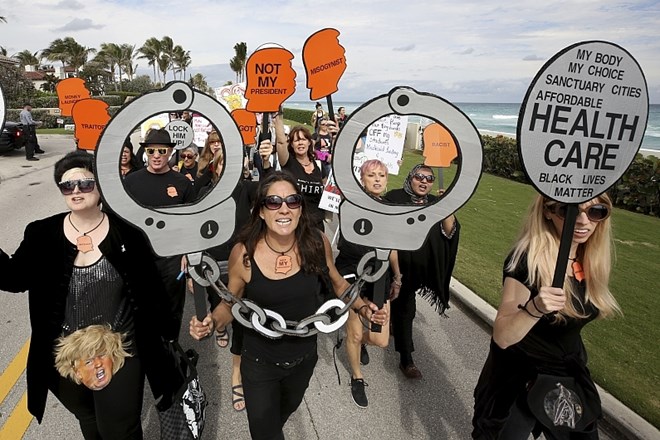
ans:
x=397 y=283
x=537 y=309
x=524 y=307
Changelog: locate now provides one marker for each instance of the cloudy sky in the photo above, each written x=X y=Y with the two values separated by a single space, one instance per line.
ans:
x=463 y=51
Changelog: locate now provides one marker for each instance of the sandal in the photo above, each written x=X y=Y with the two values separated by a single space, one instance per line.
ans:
x=238 y=398
x=222 y=338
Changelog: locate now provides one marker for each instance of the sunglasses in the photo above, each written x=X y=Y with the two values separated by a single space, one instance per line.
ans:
x=150 y=151
x=294 y=201
x=84 y=185
x=595 y=213
x=187 y=156
x=421 y=177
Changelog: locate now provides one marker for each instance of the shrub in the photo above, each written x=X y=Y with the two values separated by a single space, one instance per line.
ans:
x=298 y=115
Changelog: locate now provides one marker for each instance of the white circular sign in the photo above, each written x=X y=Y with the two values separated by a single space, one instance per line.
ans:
x=180 y=132
x=582 y=121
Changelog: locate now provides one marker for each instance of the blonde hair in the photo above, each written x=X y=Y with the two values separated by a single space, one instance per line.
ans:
x=539 y=240
x=206 y=157
x=87 y=343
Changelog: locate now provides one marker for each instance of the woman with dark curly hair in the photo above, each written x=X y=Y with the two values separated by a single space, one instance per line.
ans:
x=280 y=262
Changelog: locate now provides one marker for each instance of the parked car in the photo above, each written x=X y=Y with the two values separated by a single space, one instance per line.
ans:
x=12 y=137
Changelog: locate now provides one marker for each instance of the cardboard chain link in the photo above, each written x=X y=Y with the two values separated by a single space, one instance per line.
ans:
x=272 y=325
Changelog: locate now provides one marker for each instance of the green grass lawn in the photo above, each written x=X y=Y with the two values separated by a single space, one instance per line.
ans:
x=624 y=353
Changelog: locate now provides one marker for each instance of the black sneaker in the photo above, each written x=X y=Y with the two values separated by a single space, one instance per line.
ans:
x=364 y=355
x=32 y=159
x=357 y=391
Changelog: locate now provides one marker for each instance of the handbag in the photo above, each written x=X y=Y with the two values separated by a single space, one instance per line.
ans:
x=182 y=415
x=564 y=403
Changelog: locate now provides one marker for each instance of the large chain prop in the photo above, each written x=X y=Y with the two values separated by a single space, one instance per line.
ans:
x=205 y=271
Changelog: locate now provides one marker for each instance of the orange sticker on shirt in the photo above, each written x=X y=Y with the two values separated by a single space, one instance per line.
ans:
x=70 y=91
x=171 y=191
x=90 y=117
x=247 y=125
x=283 y=264
x=324 y=62
x=270 y=79
x=439 y=146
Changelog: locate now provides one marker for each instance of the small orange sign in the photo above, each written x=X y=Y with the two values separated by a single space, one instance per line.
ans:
x=270 y=79
x=172 y=192
x=439 y=146
x=90 y=117
x=247 y=125
x=324 y=62
x=70 y=91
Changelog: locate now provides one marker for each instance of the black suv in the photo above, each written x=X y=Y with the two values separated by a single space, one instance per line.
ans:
x=12 y=137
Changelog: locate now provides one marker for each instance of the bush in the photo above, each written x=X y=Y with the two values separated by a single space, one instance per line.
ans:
x=298 y=115
x=637 y=190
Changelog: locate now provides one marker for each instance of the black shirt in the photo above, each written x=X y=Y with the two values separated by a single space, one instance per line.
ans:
x=167 y=189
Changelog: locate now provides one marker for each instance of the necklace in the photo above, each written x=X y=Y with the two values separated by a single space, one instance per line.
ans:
x=305 y=164
x=578 y=272
x=283 y=263
x=84 y=243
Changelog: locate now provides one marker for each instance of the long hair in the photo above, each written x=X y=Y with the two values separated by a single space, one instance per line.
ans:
x=311 y=249
x=539 y=240
x=207 y=155
x=307 y=135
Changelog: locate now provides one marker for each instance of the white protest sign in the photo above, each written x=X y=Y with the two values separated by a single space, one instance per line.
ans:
x=385 y=141
x=331 y=197
x=201 y=129
x=181 y=133
x=582 y=121
x=231 y=96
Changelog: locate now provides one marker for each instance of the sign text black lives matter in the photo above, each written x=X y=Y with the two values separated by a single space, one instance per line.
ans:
x=582 y=121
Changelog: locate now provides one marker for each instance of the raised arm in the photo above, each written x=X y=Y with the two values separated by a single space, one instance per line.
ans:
x=281 y=140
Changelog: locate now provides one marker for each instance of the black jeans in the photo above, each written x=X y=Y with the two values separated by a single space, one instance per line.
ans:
x=31 y=141
x=273 y=393
x=113 y=413
x=403 y=311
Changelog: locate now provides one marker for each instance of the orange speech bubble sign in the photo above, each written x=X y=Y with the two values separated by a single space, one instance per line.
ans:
x=439 y=146
x=90 y=117
x=324 y=62
x=247 y=125
x=270 y=79
x=70 y=91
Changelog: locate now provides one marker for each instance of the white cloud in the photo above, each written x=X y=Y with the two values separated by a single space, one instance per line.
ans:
x=473 y=50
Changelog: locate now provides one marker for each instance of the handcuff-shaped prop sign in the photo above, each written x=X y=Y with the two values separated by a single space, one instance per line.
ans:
x=211 y=221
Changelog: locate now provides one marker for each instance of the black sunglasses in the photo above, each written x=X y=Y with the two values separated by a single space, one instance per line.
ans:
x=84 y=185
x=294 y=201
x=150 y=151
x=187 y=156
x=421 y=177
x=595 y=213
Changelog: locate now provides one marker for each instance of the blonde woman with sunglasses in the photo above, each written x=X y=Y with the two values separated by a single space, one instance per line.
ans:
x=537 y=327
x=93 y=269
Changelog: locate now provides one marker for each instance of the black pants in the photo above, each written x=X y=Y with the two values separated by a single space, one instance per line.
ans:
x=169 y=269
x=273 y=393
x=31 y=144
x=521 y=423
x=112 y=413
x=403 y=311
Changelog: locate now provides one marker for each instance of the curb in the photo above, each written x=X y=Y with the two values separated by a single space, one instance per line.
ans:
x=621 y=418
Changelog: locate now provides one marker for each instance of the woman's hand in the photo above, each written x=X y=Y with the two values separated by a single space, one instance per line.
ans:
x=375 y=315
x=394 y=291
x=199 y=330
x=549 y=299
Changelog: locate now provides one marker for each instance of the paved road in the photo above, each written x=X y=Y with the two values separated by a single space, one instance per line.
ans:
x=450 y=353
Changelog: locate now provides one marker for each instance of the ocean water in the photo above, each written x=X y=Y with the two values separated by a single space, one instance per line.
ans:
x=498 y=118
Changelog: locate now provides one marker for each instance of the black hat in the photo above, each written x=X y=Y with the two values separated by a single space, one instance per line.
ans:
x=160 y=137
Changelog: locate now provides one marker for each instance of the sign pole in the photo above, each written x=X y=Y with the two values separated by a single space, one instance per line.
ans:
x=565 y=245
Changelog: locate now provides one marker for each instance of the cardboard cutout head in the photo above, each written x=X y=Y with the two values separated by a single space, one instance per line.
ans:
x=90 y=117
x=70 y=91
x=270 y=79
x=247 y=125
x=324 y=62
x=439 y=146
x=91 y=356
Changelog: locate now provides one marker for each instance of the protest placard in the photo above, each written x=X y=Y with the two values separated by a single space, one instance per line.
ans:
x=385 y=141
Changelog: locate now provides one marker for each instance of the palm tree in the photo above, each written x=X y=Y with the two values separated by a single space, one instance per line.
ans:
x=78 y=55
x=166 y=55
x=150 y=51
x=50 y=83
x=27 y=58
x=237 y=63
x=198 y=81
x=126 y=64
x=181 y=61
x=110 y=55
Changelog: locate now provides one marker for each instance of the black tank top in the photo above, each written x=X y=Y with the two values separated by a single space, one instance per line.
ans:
x=295 y=298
